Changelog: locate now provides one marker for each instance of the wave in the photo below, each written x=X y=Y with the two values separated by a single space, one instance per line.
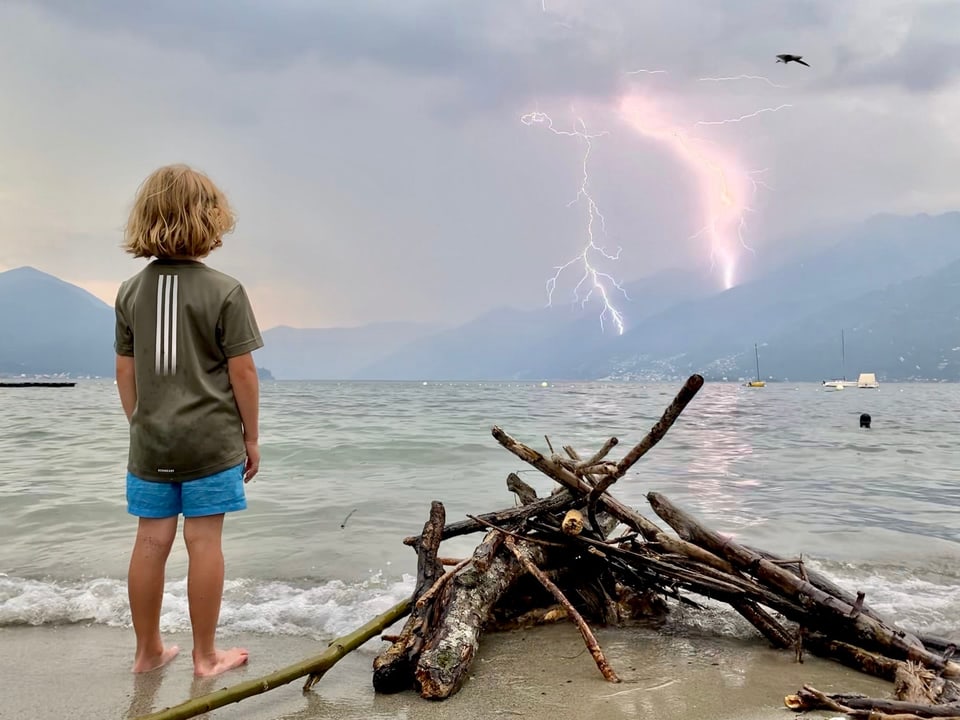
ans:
x=918 y=599
x=275 y=607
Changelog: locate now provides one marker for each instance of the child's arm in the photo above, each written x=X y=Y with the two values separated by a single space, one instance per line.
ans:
x=127 y=384
x=246 y=390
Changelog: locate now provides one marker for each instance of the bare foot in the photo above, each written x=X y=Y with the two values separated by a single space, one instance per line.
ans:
x=153 y=662
x=220 y=662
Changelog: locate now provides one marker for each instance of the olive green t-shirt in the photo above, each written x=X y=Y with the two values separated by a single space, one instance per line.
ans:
x=181 y=320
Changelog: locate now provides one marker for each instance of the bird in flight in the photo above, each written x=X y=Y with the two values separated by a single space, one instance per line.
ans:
x=786 y=58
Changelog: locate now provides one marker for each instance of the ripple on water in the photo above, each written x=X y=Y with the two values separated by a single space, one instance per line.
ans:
x=789 y=470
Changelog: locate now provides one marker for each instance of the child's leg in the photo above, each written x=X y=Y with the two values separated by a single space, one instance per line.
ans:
x=204 y=503
x=204 y=592
x=145 y=590
x=158 y=507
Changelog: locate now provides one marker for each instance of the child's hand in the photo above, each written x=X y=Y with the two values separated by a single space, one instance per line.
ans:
x=253 y=460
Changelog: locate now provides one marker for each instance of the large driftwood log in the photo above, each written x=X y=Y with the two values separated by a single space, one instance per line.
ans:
x=819 y=580
x=518 y=487
x=809 y=698
x=834 y=615
x=763 y=621
x=947 y=645
x=869 y=663
x=467 y=601
x=552 y=503
x=393 y=668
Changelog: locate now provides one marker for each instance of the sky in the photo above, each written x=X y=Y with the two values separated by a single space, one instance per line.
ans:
x=385 y=165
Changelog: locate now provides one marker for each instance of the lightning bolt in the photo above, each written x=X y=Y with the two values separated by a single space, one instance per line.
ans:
x=724 y=186
x=741 y=118
x=597 y=280
x=768 y=81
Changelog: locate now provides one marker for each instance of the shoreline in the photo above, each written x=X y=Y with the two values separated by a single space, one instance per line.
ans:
x=544 y=673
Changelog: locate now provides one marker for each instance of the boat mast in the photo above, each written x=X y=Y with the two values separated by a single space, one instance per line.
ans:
x=843 y=356
x=757 y=354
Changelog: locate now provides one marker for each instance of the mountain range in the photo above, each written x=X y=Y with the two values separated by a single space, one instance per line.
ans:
x=49 y=326
x=889 y=283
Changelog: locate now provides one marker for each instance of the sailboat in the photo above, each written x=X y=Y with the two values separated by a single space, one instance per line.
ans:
x=758 y=382
x=843 y=383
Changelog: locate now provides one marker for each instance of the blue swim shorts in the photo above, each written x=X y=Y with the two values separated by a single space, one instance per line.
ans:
x=211 y=495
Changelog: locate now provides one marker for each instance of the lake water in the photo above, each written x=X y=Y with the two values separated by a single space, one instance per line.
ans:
x=785 y=468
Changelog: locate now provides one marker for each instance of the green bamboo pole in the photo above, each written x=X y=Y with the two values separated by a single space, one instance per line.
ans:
x=315 y=667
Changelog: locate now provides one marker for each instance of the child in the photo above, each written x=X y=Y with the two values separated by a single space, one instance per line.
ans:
x=189 y=388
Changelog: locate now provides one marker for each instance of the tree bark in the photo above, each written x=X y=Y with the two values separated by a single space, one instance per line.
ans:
x=518 y=487
x=393 y=668
x=835 y=616
x=819 y=580
x=552 y=503
x=812 y=699
x=763 y=621
x=467 y=601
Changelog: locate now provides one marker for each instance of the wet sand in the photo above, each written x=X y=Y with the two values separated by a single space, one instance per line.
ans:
x=82 y=672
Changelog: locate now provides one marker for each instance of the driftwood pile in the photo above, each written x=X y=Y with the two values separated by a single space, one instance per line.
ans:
x=581 y=553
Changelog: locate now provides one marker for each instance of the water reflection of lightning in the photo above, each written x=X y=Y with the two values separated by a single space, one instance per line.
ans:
x=598 y=281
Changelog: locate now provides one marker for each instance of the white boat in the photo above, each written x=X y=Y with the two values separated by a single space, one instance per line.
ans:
x=839 y=384
x=844 y=383
x=866 y=380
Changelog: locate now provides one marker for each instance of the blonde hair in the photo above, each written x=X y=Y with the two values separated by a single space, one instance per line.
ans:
x=178 y=212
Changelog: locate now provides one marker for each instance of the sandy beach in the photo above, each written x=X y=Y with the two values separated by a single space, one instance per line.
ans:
x=82 y=671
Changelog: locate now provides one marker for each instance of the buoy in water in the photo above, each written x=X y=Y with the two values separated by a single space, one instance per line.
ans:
x=865 y=420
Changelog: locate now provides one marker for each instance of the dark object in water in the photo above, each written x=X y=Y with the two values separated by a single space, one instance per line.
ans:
x=37 y=384
x=344 y=523
x=865 y=420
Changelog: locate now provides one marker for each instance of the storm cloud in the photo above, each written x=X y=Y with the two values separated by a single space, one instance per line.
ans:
x=374 y=150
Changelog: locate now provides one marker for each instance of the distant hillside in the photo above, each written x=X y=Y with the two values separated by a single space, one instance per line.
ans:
x=490 y=346
x=890 y=282
x=677 y=324
x=333 y=353
x=507 y=343
x=907 y=331
x=824 y=291
x=49 y=326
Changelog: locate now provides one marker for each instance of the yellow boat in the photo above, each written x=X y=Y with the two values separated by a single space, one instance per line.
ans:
x=758 y=382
